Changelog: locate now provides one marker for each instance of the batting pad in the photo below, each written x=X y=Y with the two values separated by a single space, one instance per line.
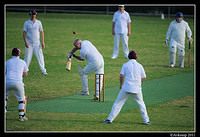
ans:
x=154 y=92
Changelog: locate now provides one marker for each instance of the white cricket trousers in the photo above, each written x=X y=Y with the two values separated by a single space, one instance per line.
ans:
x=124 y=38
x=18 y=88
x=37 y=49
x=97 y=67
x=121 y=99
x=174 y=46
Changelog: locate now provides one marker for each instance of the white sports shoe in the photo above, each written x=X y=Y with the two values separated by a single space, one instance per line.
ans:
x=23 y=118
x=113 y=57
x=44 y=73
x=172 y=65
x=84 y=93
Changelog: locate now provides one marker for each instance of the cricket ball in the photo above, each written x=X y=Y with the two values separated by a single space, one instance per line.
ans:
x=74 y=32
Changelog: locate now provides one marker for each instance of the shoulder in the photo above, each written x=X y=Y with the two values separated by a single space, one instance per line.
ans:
x=117 y=12
x=126 y=12
x=38 y=21
x=26 y=22
x=22 y=62
x=173 y=22
x=184 y=22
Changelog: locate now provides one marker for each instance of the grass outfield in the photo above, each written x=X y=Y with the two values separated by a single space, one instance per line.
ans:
x=147 y=39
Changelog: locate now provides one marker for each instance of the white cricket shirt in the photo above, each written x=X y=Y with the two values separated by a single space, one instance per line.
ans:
x=121 y=21
x=89 y=52
x=33 y=30
x=133 y=72
x=178 y=30
x=14 y=69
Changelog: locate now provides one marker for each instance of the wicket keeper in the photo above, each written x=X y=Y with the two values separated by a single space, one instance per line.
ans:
x=95 y=64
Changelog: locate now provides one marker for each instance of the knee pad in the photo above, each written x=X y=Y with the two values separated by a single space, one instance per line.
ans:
x=172 y=49
x=22 y=106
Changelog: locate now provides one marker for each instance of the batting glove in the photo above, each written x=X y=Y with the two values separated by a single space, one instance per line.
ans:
x=167 y=42
x=69 y=55
x=190 y=40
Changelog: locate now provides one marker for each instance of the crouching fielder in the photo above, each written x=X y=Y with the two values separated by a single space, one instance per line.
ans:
x=177 y=30
x=95 y=64
x=134 y=75
x=16 y=68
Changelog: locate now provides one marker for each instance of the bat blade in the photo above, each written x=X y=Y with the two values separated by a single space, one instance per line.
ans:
x=189 y=57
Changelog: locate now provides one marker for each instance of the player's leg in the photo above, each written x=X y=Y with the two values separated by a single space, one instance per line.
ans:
x=181 y=56
x=84 y=82
x=40 y=58
x=117 y=106
x=8 y=91
x=28 y=54
x=116 y=46
x=172 y=53
x=139 y=99
x=100 y=70
x=125 y=45
x=22 y=99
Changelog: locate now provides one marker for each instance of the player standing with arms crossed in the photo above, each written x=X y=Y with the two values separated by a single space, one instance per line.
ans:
x=33 y=29
x=134 y=75
x=95 y=64
x=16 y=68
x=121 y=28
x=177 y=30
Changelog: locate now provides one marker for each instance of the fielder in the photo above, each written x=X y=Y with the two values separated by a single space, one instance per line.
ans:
x=134 y=75
x=177 y=30
x=121 y=29
x=33 y=29
x=16 y=69
x=95 y=64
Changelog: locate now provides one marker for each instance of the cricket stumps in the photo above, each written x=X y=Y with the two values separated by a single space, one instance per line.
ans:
x=99 y=86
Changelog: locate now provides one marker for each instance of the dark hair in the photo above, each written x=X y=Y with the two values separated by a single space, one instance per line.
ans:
x=16 y=52
x=132 y=55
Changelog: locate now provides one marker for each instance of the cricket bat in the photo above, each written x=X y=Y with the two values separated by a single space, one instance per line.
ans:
x=189 y=56
x=69 y=62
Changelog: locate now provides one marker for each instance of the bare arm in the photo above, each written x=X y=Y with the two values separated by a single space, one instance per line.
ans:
x=25 y=41
x=142 y=79
x=129 y=29
x=121 y=80
x=78 y=57
x=113 y=28
x=42 y=38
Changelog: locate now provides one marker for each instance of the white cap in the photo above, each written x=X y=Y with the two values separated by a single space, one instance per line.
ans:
x=121 y=5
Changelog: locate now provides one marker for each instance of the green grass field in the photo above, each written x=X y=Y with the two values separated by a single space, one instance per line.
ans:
x=147 y=39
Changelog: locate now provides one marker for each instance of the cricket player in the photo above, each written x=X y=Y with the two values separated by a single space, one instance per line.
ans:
x=177 y=30
x=121 y=29
x=16 y=69
x=134 y=75
x=31 y=34
x=95 y=63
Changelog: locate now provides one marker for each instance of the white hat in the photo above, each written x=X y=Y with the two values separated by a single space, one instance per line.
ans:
x=121 y=5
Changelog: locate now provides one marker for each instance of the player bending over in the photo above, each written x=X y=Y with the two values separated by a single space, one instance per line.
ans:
x=95 y=63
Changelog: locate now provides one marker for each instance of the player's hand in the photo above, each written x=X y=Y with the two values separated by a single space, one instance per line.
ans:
x=69 y=55
x=113 y=32
x=43 y=45
x=129 y=33
x=26 y=44
x=190 y=40
x=167 y=42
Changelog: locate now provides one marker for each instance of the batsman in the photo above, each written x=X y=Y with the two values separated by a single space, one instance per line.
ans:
x=95 y=63
x=177 y=31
